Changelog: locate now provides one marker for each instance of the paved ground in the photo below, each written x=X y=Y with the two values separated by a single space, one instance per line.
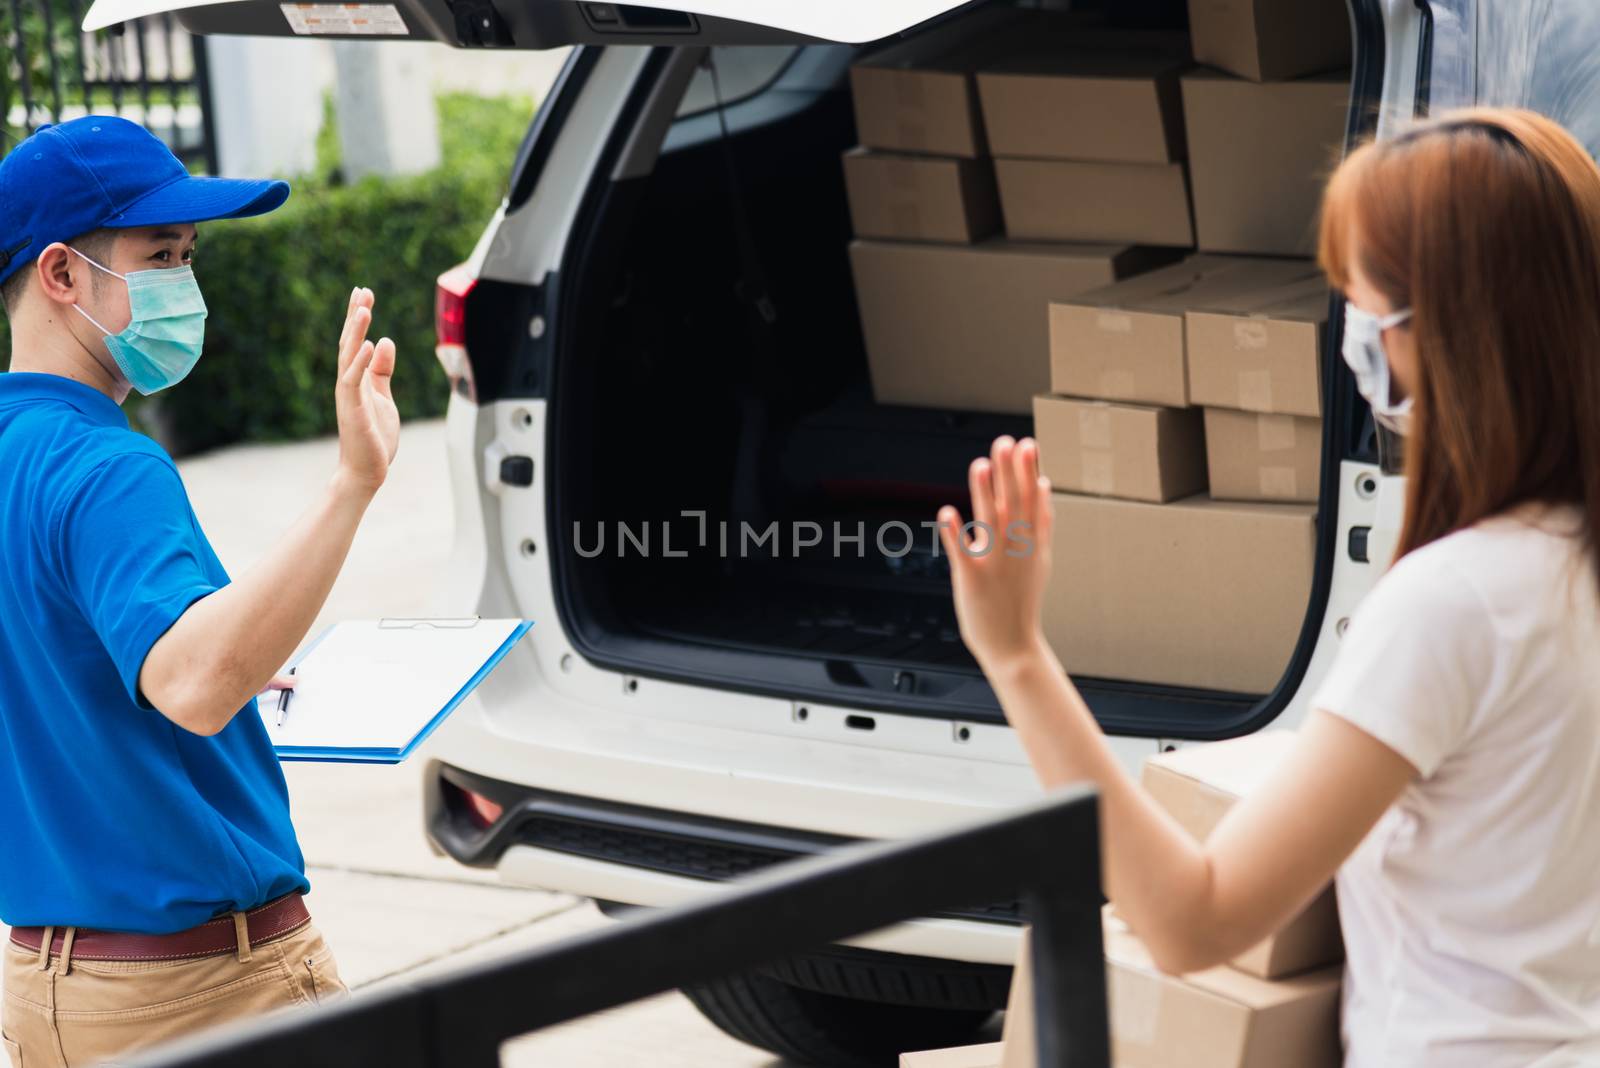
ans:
x=371 y=871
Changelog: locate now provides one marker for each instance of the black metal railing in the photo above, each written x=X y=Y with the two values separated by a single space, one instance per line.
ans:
x=149 y=70
x=1047 y=854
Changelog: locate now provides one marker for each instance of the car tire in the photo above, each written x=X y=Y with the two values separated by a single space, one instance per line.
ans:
x=813 y=1028
x=895 y=978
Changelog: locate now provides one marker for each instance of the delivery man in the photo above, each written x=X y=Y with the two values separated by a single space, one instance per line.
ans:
x=148 y=865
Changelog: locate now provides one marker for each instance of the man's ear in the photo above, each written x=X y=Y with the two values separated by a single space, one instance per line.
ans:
x=63 y=276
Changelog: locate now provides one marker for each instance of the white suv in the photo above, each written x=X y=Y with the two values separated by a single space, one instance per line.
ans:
x=657 y=336
x=658 y=329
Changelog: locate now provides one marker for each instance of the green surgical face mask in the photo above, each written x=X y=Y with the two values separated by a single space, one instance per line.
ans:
x=162 y=342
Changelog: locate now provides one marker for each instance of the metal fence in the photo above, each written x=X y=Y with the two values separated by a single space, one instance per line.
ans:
x=1048 y=854
x=149 y=70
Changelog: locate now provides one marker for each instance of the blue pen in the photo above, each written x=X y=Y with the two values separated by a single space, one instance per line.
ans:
x=283 y=702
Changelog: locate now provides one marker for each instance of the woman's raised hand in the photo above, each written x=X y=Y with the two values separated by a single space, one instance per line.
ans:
x=999 y=563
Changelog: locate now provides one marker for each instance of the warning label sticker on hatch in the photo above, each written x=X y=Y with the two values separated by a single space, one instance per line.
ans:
x=369 y=20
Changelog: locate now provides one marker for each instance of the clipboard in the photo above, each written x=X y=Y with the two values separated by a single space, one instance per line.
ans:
x=370 y=691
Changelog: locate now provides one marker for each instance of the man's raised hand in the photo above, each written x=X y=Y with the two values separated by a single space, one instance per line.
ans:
x=369 y=423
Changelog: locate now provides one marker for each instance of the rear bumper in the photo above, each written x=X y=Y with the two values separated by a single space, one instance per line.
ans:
x=942 y=939
x=637 y=856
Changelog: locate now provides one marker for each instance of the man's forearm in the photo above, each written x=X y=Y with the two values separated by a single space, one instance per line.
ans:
x=228 y=645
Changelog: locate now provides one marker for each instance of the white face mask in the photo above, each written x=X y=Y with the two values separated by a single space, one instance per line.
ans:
x=1363 y=351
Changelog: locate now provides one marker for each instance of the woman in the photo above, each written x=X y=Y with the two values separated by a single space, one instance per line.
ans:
x=1449 y=773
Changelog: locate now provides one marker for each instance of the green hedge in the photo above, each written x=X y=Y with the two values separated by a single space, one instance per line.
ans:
x=276 y=287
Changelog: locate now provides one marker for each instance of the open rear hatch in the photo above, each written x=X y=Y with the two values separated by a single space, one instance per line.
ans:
x=743 y=479
x=534 y=24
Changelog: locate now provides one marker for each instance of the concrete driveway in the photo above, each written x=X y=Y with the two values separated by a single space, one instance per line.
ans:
x=390 y=909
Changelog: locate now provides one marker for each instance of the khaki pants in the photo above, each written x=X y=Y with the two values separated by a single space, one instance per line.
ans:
x=68 y=1013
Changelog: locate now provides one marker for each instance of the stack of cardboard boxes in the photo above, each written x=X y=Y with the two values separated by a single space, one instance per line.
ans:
x=1087 y=134
x=1185 y=537
x=1266 y=125
x=952 y=308
x=1255 y=365
x=1176 y=403
x=1180 y=557
x=1275 y=1005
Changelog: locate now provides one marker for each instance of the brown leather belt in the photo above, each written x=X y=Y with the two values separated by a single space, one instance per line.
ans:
x=210 y=939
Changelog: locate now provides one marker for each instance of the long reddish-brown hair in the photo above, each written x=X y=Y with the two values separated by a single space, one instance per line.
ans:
x=1486 y=223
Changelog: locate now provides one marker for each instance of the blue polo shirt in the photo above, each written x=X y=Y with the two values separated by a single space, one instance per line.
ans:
x=111 y=815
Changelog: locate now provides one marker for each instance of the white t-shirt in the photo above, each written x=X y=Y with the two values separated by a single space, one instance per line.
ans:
x=1471 y=912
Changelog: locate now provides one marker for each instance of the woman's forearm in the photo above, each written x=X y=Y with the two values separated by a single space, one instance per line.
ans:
x=1157 y=874
x=229 y=644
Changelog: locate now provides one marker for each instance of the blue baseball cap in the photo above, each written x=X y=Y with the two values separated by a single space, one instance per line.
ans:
x=104 y=171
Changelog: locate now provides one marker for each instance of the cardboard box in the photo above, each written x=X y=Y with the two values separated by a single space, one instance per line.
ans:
x=1126 y=341
x=921 y=198
x=1019 y=1037
x=1269 y=40
x=1060 y=200
x=1261 y=350
x=1197 y=785
x=918 y=95
x=985 y=1055
x=1198 y=592
x=1259 y=154
x=1217 y=1018
x=1253 y=456
x=965 y=326
x=1110 y=105
x=1120 y=450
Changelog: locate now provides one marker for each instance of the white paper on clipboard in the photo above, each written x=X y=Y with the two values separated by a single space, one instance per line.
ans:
x=373 y=689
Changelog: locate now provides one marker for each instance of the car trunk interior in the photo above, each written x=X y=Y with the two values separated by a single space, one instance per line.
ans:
x=718 y=369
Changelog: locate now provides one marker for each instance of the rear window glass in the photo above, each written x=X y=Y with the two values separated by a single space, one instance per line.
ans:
x=744 y=70
x=1542 y=55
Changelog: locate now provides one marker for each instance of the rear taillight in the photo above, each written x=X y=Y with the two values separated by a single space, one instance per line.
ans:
x=484 y=812
x=450 y=328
